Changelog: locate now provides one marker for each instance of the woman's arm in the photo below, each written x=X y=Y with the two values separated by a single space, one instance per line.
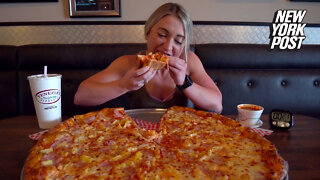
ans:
x=203 y=92
x=118 y=78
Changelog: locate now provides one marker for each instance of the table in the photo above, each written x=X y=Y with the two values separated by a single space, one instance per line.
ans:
x=300 y=145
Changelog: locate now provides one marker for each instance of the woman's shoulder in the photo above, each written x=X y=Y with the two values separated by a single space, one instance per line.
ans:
x=193 y=59
x=194 y=63
x=192 y=55
x=126 y=60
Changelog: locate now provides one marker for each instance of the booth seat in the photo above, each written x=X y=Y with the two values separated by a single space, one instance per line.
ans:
x=245 y=73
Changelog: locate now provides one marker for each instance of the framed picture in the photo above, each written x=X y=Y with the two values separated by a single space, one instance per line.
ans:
x=306 y=0
x=14 y=1
x=94 y=8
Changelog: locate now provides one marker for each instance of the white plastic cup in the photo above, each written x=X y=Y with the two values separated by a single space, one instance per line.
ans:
x=46 y=95
x=249 y=114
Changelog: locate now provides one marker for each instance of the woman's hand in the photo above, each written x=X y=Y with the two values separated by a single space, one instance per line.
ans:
x=134 y=79
x=177 y=70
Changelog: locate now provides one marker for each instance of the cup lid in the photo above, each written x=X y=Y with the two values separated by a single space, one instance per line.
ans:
x=42 y=76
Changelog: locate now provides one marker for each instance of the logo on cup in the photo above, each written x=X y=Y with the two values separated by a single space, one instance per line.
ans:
x=48 y=96
x=242 y=117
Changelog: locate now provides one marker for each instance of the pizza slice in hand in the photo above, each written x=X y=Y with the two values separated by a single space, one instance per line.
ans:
x=156 y=60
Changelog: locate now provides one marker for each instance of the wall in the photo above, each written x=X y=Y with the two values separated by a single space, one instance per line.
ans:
x=212 y=11
x=73 y=34
x=139 y=10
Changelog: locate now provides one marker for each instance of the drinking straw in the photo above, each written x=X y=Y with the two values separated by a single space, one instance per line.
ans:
x=45 y=71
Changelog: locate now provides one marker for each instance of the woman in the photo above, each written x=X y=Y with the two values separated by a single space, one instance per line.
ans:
x=169 y=31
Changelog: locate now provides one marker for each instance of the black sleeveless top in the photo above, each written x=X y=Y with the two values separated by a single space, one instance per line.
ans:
x=141 y=99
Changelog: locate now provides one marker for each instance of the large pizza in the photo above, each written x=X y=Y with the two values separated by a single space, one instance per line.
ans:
x=188 y=144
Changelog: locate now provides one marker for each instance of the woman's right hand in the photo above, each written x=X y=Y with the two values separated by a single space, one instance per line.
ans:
x=134 y=79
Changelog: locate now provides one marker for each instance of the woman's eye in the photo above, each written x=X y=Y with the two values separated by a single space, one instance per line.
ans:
x=178 y=42
x=161 y=35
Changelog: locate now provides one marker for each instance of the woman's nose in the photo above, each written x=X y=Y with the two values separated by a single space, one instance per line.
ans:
x=168 y=45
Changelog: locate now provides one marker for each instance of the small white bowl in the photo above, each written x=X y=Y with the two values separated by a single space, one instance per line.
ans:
x=249 y=114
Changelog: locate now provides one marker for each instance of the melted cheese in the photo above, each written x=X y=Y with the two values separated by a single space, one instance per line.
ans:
x=190 y=145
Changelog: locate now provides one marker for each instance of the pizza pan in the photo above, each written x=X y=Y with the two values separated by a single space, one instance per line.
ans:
x=151 y=115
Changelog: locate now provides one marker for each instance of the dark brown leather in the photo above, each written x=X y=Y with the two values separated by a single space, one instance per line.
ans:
x=8 y=81
x=245 y=73
x=274 y=79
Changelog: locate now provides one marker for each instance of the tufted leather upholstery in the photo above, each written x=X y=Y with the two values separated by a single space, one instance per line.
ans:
x=245 y=73
x=249 y=73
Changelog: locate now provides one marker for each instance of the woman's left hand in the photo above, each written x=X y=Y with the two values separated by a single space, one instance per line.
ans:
x=177 y=70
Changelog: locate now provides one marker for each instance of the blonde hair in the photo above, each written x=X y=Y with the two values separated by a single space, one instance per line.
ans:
x=181 y=13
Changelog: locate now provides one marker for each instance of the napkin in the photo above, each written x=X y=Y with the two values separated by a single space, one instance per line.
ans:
x=146 y=124
x=150 y=126
x=262 y=132
x=36 y=136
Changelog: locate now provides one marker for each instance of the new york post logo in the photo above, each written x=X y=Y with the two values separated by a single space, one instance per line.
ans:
x=287 y=29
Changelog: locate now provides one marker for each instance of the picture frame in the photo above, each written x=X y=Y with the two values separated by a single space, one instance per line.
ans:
x=94 y=8
x=305 y=0
x=25 y=1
